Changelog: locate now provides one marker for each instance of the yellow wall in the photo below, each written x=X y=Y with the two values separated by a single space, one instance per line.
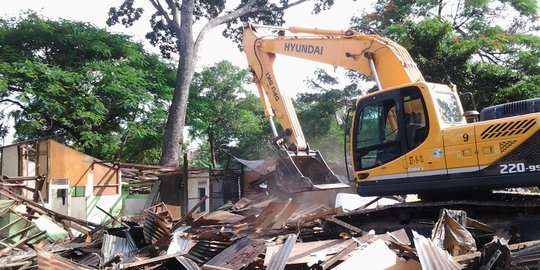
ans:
x=65 y=162
x=104 y=179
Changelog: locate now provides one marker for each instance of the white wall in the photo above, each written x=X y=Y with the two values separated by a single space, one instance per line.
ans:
x=110 y=203
x=134 y=206
x=10 y=161
x=196 y=181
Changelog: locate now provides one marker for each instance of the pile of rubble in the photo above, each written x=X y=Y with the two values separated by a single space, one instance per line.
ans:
x=255 y=233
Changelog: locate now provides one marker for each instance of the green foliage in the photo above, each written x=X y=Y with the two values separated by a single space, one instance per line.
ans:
x=226 y=115
x=317 y=113
x=467 y=42
x=101 y=89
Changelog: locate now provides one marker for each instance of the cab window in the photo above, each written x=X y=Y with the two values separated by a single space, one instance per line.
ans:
x=415 y=115
x=378 y=135
x=448 y=107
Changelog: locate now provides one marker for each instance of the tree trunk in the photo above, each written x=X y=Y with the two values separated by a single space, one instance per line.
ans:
x=170 y=188
x=212 y=150
x=174 y=131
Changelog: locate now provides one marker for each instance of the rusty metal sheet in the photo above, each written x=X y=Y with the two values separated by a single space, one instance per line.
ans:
x=217 y=217
x=450 y=233
x=50 y=261
x=237 y=256
x=153 y=228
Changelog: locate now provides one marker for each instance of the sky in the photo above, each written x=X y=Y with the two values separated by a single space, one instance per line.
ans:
x=290 y=72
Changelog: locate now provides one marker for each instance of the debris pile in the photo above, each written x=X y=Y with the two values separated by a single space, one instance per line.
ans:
x=258 y=232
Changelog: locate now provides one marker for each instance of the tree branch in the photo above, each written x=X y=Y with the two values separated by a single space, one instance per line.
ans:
x=175 y=11
x=14 y=102
x=15 y=88
x=157 y=5
x=249 y=7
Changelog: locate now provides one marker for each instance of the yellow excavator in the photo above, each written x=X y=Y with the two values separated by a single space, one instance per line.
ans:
x=410 y=136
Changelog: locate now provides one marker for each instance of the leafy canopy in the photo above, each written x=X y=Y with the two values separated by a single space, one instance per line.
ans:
x=100 y=89
x=226 y=115
x=488 y=47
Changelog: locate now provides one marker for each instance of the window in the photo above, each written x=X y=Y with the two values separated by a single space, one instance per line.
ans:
x=77 y=191
x=377 y=135
x=448 y=107
x=415 y=115
x=202 y=193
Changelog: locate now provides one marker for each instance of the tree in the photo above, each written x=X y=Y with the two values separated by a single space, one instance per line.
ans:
x=317 y=113
x=225 y=114
x=467 y=42
x=172 y=30
x=100 y=89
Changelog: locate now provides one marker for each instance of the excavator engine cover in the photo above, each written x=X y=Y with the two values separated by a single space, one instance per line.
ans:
x=305 y=171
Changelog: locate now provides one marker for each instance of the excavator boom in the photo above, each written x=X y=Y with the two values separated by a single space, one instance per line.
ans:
x=411 y=136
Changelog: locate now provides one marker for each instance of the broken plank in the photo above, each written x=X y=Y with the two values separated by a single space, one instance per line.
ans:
x=349 y=245
x=512 y=247
x=377 y=256
x=11 y=224
x=334 y=211
x=152 y=260
x=20 y=242
x=302 y=252
x=50 y=261
x=345 y=225
x=188 y=215
x=284 y=215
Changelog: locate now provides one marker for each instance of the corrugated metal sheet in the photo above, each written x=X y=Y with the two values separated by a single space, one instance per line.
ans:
x=113 y=245
x=179 y=243
x=237 y=256
x=204 y=250
x=91 y=259
x=153 y=232
x=187 y=263
x=279 y=260
x=50 y=261
x=432 y=257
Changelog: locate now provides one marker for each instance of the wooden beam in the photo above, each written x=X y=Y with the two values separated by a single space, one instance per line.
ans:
x=152 y=260
x=11 y=223
x=345 y=225
x=20 y=242
x=512 y=247
x=188 y=215
x=350 y=245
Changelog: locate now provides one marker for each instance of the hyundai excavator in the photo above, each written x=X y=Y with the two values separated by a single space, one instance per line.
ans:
x=409 y=137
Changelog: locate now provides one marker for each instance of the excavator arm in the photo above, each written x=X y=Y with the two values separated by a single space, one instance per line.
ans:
x=381 y=59
x=387 y=63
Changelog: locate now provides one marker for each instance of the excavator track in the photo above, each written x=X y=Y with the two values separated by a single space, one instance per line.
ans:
x=516 y=213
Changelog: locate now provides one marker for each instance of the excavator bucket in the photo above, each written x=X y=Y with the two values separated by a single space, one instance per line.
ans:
x=305 y=171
